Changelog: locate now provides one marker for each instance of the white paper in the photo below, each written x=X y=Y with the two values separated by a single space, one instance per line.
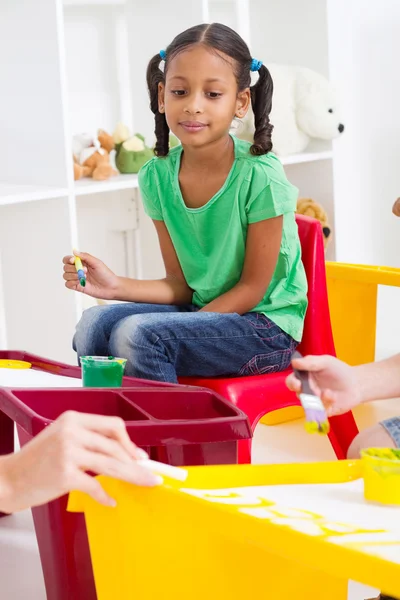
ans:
x=22 y=378
x=336 y=502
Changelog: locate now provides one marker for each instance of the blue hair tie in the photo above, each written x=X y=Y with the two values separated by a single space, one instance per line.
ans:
x=163 y=54
x=255 y=64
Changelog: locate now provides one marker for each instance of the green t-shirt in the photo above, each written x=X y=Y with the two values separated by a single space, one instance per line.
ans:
x=210 y=241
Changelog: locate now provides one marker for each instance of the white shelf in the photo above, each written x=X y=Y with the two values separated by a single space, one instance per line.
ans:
x=11 y=193
x=86 y=186
x=305 y=157
x=94 y=2
x=15 y=193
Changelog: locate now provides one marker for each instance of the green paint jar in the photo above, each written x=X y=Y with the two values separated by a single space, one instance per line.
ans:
x=102 y=371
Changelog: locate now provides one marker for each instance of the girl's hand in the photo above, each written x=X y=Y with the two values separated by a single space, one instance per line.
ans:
x=57 y=460
x=335 y=382
x=101 y=282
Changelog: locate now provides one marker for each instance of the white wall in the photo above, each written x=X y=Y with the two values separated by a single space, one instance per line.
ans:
x=287 y=32
x=91 y=67
x=40 y=311
x=364 y=50
x=31 y=121
x=168 y=19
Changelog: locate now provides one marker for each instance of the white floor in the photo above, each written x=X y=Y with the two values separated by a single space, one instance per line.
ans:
x=283 y=443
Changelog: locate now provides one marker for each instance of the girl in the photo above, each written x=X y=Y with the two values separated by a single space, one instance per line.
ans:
x=234 y=296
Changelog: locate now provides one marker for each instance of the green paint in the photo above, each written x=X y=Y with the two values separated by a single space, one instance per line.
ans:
x=102 y=371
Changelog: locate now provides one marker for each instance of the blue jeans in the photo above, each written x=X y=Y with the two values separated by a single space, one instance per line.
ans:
x=392 y=426
x=163 y=342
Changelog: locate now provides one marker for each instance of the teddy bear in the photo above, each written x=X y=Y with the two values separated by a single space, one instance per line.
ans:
x=91 y=156
x=396 y=208
x=310 y=208
x=304 y=107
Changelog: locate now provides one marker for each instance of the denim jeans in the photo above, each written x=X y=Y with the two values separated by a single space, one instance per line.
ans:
x=163 y=342
x=392 y=426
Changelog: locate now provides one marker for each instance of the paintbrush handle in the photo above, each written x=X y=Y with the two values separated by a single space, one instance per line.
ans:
x=303 y=377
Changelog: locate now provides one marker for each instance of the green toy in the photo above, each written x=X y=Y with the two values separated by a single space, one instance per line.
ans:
x=132 y=154
x=131 y=151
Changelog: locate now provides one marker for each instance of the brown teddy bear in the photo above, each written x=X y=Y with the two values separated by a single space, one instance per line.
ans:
x=310 y=208
x=396 y=208
x=91 y=156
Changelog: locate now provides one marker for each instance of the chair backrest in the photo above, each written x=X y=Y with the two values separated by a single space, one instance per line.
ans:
x=317 y=337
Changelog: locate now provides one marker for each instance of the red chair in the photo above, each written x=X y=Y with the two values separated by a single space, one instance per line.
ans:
x=260 y=395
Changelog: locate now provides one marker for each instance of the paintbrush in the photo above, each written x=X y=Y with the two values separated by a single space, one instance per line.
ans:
x=316 y=417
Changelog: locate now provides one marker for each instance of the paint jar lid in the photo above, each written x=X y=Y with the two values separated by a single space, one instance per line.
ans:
x=6 y=363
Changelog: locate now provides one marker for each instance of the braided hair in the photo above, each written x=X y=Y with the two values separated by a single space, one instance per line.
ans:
x=226 y=40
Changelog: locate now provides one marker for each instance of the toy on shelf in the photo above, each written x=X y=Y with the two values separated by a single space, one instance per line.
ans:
x=310 y=208
x=91 y=156
x=304 y=107
x=131 y=151
x=396 y=208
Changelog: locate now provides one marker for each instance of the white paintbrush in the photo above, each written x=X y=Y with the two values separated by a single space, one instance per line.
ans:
x=162 y=469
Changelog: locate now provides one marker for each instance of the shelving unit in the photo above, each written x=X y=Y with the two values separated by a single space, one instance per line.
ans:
x=79 y=65
x=14 y=193
x=86 y=61
x=86 y=186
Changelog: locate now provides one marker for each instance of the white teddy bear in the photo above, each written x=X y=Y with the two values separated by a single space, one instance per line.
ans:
x=304 y=106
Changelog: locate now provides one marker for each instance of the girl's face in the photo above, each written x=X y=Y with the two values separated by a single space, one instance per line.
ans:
x=200 y=96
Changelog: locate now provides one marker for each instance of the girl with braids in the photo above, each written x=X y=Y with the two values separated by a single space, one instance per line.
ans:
x=234 y=296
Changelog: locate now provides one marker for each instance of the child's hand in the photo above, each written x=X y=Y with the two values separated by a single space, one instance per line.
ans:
x=332 y=380
x=101 y=282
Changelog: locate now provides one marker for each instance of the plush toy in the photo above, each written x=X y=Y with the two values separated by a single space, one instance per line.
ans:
x=304 y=106
x=131 y=151
x=310 y=208
x=396 y=208
x=91 y=155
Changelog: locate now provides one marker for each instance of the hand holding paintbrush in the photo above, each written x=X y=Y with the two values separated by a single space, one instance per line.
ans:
x=339 y=386
x=316 y=416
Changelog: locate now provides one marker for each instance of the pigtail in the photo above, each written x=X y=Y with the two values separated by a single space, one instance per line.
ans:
x=154 y=77
x=261 y=103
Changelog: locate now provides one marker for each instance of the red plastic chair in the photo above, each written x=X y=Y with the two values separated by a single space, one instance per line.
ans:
x=259 y=395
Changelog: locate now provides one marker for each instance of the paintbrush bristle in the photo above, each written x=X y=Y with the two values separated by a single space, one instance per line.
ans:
x=316 y=417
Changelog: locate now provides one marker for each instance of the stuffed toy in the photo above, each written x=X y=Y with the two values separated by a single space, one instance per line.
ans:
x=131 y=151
x=396 y=208
x=310 y=208
x=91 y=155
x=304 y=106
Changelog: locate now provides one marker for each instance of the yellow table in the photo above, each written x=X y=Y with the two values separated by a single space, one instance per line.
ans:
x=295 y=532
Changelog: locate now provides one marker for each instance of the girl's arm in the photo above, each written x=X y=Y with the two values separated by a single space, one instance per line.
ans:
x=262 y=251
x=173 y=289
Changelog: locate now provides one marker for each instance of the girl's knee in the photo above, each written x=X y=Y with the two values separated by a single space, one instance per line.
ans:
x=374 y=437
x=92 y=317
x=135 y=330
x=91 y=331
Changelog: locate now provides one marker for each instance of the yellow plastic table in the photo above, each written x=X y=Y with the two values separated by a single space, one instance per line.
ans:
x=294 y=532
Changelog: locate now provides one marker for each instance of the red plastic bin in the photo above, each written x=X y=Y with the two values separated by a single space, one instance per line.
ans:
x=177 y=425
x=56 y=368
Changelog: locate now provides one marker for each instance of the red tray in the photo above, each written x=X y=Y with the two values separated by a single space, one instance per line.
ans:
x=178 y=425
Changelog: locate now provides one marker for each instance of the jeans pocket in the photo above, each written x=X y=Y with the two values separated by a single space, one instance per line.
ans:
x=261 y=322
x=271 y=362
